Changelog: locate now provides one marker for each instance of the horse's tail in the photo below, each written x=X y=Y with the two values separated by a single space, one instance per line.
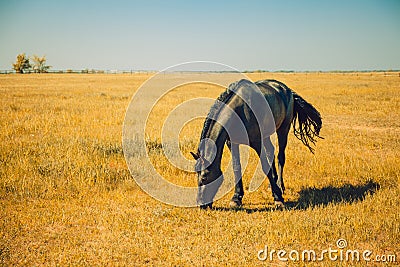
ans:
x=309 y=122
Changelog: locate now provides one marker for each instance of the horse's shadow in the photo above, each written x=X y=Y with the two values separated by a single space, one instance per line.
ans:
x=313 y=197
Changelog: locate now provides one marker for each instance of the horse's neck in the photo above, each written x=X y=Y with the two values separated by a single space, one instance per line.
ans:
x=219 y=136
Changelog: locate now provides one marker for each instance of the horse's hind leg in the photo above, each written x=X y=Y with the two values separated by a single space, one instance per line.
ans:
x=282 y=142
x=237 y=171
x=267 y=159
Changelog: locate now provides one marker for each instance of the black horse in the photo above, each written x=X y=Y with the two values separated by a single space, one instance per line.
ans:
x=249 y=113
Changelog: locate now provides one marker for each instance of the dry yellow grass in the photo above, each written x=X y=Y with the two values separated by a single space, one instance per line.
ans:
x=67 y=197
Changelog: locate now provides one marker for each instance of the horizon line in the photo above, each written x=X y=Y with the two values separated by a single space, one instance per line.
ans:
x=120 y=71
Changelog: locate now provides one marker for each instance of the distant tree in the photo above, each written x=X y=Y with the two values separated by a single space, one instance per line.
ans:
x=22 y=64
x=39 y=64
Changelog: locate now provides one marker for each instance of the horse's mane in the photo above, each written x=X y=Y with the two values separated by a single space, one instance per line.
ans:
x=223 y=98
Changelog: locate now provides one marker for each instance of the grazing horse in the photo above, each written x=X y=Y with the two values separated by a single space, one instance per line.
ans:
x=257 y=110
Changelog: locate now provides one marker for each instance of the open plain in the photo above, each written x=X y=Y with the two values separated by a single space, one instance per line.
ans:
x=68 y=198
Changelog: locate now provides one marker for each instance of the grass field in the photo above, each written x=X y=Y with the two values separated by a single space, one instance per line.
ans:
x=67 y=196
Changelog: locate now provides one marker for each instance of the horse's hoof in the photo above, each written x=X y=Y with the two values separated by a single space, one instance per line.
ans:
x=206 y=206
x=279 y=204
x=235 y=204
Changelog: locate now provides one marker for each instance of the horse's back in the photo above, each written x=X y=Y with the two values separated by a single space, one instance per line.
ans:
x=246 y=102
x=279 y=98
x=273 y=88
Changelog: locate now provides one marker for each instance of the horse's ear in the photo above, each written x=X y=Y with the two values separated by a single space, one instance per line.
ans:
x=195 y=156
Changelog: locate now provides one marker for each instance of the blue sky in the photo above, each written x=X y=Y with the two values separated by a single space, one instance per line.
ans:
x=248 y=35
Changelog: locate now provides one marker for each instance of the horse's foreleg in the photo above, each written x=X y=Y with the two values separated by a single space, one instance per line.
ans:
x=237 y=171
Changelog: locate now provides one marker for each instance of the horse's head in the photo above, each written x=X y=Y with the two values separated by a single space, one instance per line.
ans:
x=209 y=179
